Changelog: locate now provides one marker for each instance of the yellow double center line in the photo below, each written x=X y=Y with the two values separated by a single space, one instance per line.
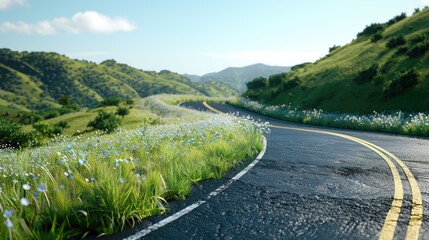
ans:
x=391 y=220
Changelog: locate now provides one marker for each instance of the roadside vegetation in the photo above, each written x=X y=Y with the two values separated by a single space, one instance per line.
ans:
x=100 y=184
x=391 y=122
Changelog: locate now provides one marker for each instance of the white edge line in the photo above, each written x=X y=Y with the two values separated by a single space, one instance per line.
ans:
x=190 y=208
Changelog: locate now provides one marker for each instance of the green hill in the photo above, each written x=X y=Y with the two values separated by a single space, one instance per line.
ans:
x=385 y=68
x=36 y=80
x=237 y=77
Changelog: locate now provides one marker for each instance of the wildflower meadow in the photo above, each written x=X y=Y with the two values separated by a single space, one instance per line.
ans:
x=97 y=186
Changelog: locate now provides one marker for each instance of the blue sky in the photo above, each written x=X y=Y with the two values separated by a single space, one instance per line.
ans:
x=191 y=36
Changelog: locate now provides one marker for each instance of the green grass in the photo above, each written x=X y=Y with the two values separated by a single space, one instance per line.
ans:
x=329 y=84
x=84 y=82
x=103 y=184
x=416 y=124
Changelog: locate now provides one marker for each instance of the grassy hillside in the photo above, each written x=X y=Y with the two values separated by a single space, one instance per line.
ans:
x=36 y=80
x=385 y=68
x=102 y=184
x=237 y=77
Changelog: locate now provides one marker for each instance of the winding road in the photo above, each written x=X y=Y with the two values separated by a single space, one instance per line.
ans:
x=310 y=183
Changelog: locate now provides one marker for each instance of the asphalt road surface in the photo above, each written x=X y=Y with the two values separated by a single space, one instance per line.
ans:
x=311 y=183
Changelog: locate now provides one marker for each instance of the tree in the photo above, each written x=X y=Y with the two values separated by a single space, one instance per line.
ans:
x=111 y=101
x=105 y=121
x=333 y=48
x=396 y=41
x=11 y=135
x=44 y=128
x=257 y=83
x=371 y=29
x=129 y=101
x=64 y=100
x=122 y=111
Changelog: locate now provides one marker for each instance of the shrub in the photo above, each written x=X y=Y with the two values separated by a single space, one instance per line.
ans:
x=397 y=19
x=371 y=29
x=291 y=83
x=402 y=50
x=111 y=101
x=30 y=118
x=302 y=65
x=396 y=41
x=257 y=83
x=403 y=82
x=64 y=100
x=62 y=124
x=11 y=135
x=129 y=101
x=276 y=79
x=122 y=111
x=378 y=36
x=105 y=121
x=44 y=129
x=420 y=38
x=419 y=49
x=333 y=48
x=367 y=75
x=52 y=113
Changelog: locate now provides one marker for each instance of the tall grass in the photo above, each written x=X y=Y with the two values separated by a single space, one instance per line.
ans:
x=392 y=122
x=100 y=185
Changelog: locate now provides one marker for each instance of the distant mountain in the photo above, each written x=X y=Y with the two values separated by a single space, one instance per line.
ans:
x=193 y=78
x=237 y=77
x=36 y=80
x=386 y=68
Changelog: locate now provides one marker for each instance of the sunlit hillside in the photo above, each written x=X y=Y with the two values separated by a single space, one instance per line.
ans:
x=385 y=68
x=37 y=80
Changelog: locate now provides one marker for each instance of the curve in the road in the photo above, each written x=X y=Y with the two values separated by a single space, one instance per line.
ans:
x=391 y=220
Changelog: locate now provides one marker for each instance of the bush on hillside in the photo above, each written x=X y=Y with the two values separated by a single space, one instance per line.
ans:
x=420 y=38
x=111 y=101
x=371 y=29
x=105 y=121
x=367 y=74
x=47 y=130
x=396 y=41
x=30 y=118
x=419 y=49
x=62 y=124
x=402 y=50
x=122 y=111
x=257 y=83
x=396 y=19
x=298 y=66
x=12 y=136
x=333 y=48
x=276 y=79
x=129 y=101
x=64 y=101
x=291 y=84
x=377 y=37
x=404 y=81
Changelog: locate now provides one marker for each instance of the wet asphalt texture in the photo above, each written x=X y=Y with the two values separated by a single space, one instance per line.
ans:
x=307 y=186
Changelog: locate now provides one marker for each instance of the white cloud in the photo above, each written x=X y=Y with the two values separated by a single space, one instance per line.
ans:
x=280 y=58
x=89 y=21
x=425 y=2
x=5 y=4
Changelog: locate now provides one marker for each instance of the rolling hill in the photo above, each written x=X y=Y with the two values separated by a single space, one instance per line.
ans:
x=385 y=68
x=237 y=77
x=36 y=80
